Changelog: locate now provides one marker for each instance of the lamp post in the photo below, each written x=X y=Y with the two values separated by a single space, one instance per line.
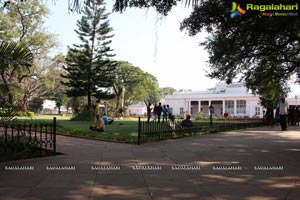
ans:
x=211 y=111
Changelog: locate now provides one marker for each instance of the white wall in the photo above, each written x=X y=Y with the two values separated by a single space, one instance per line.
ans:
x=137 y=109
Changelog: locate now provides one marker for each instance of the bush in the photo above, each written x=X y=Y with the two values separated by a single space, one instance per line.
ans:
x=7 y=114
x=85 y=115
x=25 y=113
x=218 y=118
x=199 y=116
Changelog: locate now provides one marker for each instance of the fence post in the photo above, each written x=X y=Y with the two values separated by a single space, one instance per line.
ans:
x=139 y=131
x=54 y=135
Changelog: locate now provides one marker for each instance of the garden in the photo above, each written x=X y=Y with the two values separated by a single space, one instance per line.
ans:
x=121 y=130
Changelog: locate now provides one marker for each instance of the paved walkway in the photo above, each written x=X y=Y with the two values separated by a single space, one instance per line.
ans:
x=252 y=164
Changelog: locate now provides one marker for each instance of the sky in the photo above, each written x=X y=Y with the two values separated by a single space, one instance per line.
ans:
x=146 y=40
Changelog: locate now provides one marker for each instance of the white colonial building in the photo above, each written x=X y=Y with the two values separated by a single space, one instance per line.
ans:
x=138 y=109
x=233 y=99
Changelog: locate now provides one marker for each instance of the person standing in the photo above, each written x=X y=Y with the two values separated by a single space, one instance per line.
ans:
x=149 y=109
x=155 y=112
x=277 y=120
x=159 y=110
x=298 y=116
x=283 y=111
x=165 y=113
x=170 y=110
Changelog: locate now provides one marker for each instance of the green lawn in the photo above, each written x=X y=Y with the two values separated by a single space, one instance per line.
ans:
x=120 y=130
x=125 y=130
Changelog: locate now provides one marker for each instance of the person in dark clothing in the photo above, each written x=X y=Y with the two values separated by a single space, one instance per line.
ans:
x=155 y=112
x=187 y=123
x=270 y=116
x=149 y=109
x=297 y=116
x=158 y=112
x=277 y=120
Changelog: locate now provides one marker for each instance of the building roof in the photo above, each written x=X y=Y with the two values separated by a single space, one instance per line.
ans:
x=221 y=90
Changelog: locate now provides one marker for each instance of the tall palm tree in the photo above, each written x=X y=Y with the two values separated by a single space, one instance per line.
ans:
x=15 y=57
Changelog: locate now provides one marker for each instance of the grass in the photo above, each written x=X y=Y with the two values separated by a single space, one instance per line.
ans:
x=125 y=130
x=120 y=130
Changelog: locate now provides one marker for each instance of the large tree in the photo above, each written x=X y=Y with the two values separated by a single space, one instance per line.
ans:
x=167 y=91
x=132 y=84
x=42 y=81
x=89 y=68
x=247 y=44
x=22 y=22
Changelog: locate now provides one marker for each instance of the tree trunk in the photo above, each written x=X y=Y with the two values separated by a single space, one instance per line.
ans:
x=10 y=97
x=89 y=100
x=118 y=97
x=25 y=102
x=89 y=94
x=117 y=102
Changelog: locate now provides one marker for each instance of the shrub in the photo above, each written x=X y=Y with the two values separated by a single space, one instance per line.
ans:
x=25 y=113
x=7 y=114
x=199 y=115
x=84 y=115
x=218 y=117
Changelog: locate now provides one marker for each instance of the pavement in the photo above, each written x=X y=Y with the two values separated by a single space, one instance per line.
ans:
x=252 y=164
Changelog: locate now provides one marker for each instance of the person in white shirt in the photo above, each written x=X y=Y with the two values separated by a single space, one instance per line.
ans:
x=172 y=124
x=283 y=111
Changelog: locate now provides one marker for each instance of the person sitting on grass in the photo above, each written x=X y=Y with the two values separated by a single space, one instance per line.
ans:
x=171 y=123
x=98 y=124
x=187 y=123
x=106 y=119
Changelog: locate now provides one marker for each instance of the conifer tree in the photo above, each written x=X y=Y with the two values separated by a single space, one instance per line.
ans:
x=89 y=69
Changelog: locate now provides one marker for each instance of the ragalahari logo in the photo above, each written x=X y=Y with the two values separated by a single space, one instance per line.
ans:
x=236 y=10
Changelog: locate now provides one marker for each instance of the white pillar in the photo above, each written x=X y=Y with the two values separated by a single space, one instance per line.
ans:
x=234 y=106
x=199 y=106
x=209 y=104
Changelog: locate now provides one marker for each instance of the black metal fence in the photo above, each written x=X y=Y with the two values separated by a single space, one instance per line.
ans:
x=39 y=135
x=154 y=131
